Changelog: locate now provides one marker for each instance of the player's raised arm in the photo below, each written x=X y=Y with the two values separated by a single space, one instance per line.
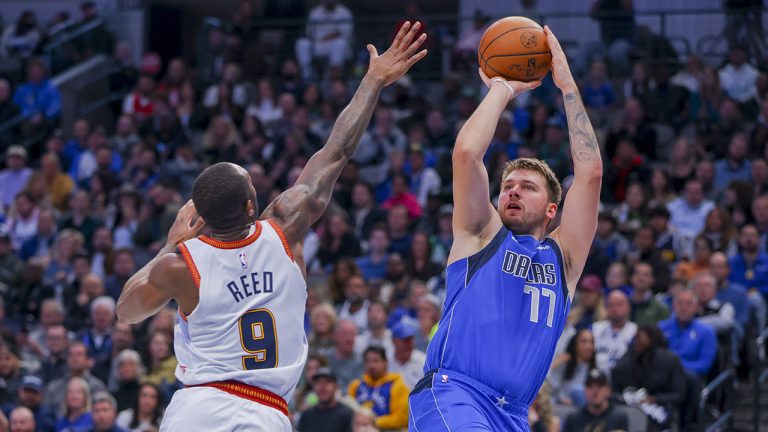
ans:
x=162 y=279
x=475 y=221
x=579 y=220
x=296 y=209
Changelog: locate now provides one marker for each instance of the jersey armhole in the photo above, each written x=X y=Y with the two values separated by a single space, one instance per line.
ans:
x=479 y=259
x=561 y=263
x=184 y=252
x=280 y=234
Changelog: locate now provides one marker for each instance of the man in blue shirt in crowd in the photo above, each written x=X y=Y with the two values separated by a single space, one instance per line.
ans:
x=695 y=344
x=750 y=267
x=38 y=98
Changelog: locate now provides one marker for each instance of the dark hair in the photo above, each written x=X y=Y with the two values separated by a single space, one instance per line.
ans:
x=156 y=414
x=655 y=335
x=659 y=211
x=220 y=194
x=377 y=350
x=570 y=367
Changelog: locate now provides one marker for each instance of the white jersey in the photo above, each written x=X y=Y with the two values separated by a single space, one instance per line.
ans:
x=249 y=323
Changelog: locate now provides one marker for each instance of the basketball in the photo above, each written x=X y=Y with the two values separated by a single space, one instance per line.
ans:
x=516 y=49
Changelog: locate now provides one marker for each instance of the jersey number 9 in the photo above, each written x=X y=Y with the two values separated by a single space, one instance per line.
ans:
x=258 y=337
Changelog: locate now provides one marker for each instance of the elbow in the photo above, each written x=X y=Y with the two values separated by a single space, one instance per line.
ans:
x=462 y=153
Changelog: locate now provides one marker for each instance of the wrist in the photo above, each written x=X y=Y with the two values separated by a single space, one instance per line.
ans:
x=500 y=82
x=373 y=81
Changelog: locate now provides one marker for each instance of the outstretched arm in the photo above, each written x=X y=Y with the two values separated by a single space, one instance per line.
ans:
x=163 y=278
x=579 y=221
x=475 y=221
x=296 y=209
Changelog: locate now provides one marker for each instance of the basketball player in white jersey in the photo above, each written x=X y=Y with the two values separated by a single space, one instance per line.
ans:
x=241 y=291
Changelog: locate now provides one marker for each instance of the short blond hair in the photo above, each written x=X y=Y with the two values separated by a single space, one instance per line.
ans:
x=541 y=167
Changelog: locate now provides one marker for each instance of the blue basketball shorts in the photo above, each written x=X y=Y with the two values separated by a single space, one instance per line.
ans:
x=448 y=401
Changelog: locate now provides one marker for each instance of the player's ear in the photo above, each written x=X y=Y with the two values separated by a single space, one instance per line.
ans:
x=250 y=209
x=551 y=210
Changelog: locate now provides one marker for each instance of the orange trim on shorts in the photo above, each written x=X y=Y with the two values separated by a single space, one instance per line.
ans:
x=282 y=238
x=190 y=264
x=233 y=244
x=252 y=393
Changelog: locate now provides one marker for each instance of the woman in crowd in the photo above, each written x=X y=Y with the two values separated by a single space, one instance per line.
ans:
x=699 y=262
x=76 y=410
x=146 y=413
x=569 y=371
x=321 y=340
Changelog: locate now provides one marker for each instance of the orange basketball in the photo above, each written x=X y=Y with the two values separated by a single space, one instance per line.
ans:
x=516 y=49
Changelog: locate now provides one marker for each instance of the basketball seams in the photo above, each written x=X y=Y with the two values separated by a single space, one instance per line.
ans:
x=516 y=55
x=482 y=54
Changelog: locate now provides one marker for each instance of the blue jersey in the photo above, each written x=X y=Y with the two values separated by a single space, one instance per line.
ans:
x=505 y=309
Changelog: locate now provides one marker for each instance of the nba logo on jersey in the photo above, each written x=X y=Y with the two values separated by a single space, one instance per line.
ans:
x=243 y=262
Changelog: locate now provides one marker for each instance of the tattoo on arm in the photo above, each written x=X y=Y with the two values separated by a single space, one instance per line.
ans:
x=583 y=141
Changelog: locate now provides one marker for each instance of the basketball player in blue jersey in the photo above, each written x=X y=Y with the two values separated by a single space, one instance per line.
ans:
x=509 y=284
x=241 y=290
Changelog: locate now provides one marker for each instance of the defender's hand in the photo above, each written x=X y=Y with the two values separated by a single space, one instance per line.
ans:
x=183 y=229
x=395 y=62
x=561 y=72
x=512 y=88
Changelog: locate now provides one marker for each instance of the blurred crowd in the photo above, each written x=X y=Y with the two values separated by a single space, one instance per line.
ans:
x=673 y=289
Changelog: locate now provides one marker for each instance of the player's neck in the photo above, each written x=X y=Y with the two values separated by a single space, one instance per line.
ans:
x=233 y=234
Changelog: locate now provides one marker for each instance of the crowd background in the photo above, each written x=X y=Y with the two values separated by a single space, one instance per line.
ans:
x=674 y=285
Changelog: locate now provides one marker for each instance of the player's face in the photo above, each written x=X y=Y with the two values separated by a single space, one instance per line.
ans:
x=524 y=202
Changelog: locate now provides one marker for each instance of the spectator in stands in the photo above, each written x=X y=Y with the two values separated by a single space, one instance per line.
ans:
x=711 y=311
x=54 y=364
x=589 y=306
x=570 y=369
x=381 y=391
x=729 y=292
x=10 y=372
x=146 y=412
x=597 y=92
x=343 y=361
x=739 y=78
x=8 y=110
x=338 y=240
x=22 y=420
x=694 y=342
x=124 y=268
x=80 y=216
x=651 y=366
x=614 y=334
x=78 y=364
x=364 y=212
x=22 y=221
x=419 y=264
x=689 y=77
x=466 y=45
x=129 y=372
x=41 y=244
x=378 y=144
x=364 y=420
x=750 y=267
x=105 y=413
x=686 y=270
x=356 y=305
x=377 y=333
x=328 y=36
x=170 y=86
x=98 y=337
x=21 y=38
x=429 y=310
x=51 y=314
x=719 y=229
x=75 y=406
x=398 y=224
x=374 y=265
x=666 y=102
x=15 y=175
x=140 y=103
x=38 y=98
x=645 y=308
x=161 y=363
x=328 y=414
x=31 y=397
x=644 y=249
x=229 y=97
x=735 y=166
x=122 y=339
x=406 y=360
x=424 y=179
x=598 y=413
x=689 y=212
x=321 y=336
